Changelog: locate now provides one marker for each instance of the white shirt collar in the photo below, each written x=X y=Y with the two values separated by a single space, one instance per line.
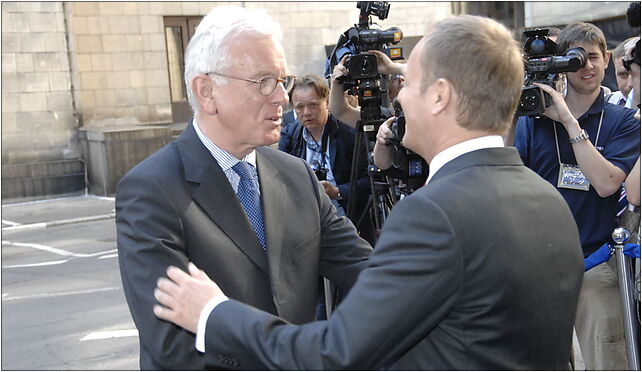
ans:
x=224 y=158
x=462 y=148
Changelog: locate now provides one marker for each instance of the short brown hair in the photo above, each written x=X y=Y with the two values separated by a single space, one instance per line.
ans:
x=618 y=52
x=311 y=81
x=579 y=32
x=482 y=61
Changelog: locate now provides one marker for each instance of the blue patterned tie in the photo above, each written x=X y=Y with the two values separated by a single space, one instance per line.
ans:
x=248 y=193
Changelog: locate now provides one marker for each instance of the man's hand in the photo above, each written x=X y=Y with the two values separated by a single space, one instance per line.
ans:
x=559 y=111
x=184 y=296
x=331 y=190
x=386 y=66
x=340 y=69
x=384 y=131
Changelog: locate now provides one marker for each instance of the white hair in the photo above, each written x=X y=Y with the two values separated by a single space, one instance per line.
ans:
x=208 y=49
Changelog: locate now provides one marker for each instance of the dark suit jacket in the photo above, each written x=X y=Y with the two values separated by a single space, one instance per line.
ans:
x=178 y=206
x=341 y=145
x=479 y=270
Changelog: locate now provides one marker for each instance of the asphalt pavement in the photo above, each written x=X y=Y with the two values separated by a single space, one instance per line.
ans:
x=63 y=305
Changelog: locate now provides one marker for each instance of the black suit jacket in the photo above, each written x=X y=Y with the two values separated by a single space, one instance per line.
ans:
x=341 y=145
x=178 y=206
x=479 y=270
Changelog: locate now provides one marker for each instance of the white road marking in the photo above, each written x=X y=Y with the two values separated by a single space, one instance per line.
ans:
x=108 y=256
x=10 y=223
x=110 y=334
x=40 y=295
x=57 y=251
x=48 y=263
x=61 y=222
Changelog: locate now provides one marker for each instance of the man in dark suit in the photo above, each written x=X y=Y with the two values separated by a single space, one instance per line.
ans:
x=479 y=269
x=254 y=218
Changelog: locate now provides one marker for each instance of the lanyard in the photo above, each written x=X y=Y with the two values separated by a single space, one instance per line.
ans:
x=557 y=145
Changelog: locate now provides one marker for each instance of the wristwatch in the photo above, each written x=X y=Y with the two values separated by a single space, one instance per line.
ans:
x=583 y=136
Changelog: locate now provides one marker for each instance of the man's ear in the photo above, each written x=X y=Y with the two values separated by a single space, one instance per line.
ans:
x=607 y=57
x=441 y=96
x=203 y=89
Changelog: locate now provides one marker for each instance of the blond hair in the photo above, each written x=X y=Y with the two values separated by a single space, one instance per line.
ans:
x=481 y=60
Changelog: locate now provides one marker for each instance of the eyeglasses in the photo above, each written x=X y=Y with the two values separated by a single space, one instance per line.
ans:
x=267 y=84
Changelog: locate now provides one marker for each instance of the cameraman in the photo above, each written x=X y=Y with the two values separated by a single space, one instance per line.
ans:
x=586 y=147
x=350 y=115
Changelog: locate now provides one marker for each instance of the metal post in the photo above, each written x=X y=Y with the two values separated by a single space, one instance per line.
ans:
x=631 y=325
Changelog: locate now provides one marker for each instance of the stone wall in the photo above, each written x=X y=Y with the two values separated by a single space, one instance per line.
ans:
x=37 y=111
x=546 y=13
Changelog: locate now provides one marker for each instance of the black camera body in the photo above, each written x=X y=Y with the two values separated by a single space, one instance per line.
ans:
x=543 y=65
x=363 y=78
x=321 y=173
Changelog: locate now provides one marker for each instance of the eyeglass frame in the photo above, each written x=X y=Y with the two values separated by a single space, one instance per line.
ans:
x=260 y=81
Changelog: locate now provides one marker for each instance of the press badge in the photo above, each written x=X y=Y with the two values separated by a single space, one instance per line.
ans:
x=571 y=177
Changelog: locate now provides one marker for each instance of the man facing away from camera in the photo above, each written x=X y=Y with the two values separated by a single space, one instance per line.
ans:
x=255 y=219
x=479 y=269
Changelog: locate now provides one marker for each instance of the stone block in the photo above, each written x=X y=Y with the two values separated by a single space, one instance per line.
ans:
x=11 y=42
x=31 y=102
x=150 y=24
x=80 y=26
x=33 y=123
x=172 y=8
x=161 y=113
x=87 y=99
x=140 y=96
x=156 y=8
x=137 y=79
x=105 y=98
x=157 y=78
x=118 y=79
x=114 y=43
x=155 y=60
x=85 y=8
x=41 y=22
x=60 y=81
x=52 y=6
x=191 y=8
x=7 y=25
x=55 y=42
x=9 y=6
x=64 y=123
x=125 y=97
x=27 y=6
x=157 y=42
x=83 y=62
x=101 y=62
x=9 y=121
x=10 y=104
x=59 y=101
x=89 y=44
x=137 y=42
x=9 y=62
x=48 y=61
x=120 y=24
x=110 y=8
x=13 y=83
x=158 y=95
x=36 y=81
x=130 y=8
x=97 y=25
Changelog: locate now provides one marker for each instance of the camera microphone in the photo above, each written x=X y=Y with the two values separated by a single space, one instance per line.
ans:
x=633 y=14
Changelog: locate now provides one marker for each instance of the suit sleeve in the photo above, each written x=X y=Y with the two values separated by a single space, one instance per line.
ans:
x=150 y=238
x=412 y=283
x=343 y=253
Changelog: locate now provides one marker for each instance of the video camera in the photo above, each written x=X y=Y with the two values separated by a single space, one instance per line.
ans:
x=543 y=65
x=633 y=19
x=363 y=78
x=413 y=167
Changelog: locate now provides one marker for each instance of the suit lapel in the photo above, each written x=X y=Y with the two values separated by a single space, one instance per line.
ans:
x=275 y=202
x=217 y=198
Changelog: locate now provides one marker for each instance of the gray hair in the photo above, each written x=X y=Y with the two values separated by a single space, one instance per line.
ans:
x=208 y=49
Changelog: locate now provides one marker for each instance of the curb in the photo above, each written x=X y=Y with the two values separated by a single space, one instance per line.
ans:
x=60 y=222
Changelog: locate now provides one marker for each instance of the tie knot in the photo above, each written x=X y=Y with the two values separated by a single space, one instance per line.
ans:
x=244 y=170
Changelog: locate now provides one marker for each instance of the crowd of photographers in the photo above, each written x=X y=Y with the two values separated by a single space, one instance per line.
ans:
x=585 y=142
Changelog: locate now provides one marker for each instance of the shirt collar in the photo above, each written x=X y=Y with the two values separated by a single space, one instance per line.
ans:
x=596 y=107
x=224 y=158
x=462 y=148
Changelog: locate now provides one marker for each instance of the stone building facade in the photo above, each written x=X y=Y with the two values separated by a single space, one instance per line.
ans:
x=92 y=88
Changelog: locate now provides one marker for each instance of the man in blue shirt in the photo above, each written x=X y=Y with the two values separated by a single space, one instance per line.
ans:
x=586 y=147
